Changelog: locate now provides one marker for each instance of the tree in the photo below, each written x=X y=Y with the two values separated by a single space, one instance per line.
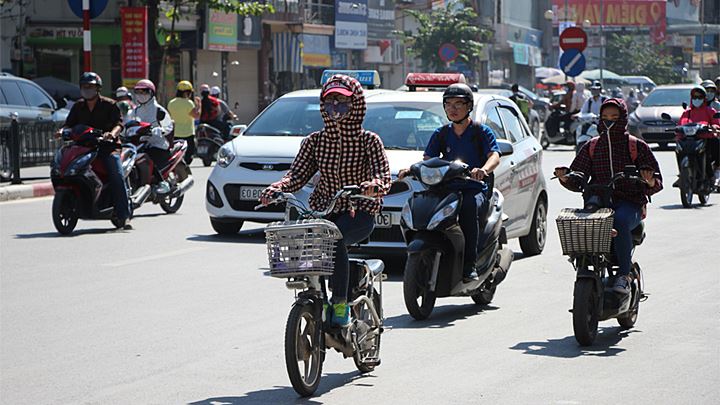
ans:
x=456 y=24
x=159 y=53
x=636 y=55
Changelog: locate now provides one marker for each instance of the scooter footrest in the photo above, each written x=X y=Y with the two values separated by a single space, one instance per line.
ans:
x=371 y=361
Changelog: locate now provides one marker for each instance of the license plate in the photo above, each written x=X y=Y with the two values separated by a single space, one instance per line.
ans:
x=202 y=149
x=383 y=220
x=250 y=193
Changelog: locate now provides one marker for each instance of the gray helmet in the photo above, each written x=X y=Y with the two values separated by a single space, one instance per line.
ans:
x=596 y=85
x=459 y=90
x=91 y=78
x=708 y=84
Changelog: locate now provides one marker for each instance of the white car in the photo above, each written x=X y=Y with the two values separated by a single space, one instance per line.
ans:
x=405 y=121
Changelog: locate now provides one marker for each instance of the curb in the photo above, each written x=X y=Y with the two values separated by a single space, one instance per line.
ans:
x=20 y=191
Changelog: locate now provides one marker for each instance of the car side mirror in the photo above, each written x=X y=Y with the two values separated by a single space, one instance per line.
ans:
x=666 y=116
x=506 y=147
x=61 y=103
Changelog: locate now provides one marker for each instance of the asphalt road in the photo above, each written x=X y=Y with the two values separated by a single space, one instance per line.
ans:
x=169 y=313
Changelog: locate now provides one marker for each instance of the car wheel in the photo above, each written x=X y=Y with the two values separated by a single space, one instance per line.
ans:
x=534 y=242
x=226 y=228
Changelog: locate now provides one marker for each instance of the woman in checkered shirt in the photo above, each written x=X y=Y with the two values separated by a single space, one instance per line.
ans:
x=344 y=154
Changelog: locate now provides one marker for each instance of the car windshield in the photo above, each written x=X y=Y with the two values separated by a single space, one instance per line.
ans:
x=290 y=116
x=667 y=97
x=404 y=125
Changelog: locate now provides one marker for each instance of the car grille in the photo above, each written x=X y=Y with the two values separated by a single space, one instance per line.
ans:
x=658 y=136
x=278 y=167
x=232 y=194
x=657 y=123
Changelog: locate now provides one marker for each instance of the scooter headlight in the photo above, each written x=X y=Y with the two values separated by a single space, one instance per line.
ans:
x=225 y=156
x=406 y=216
x=690 y=130
x=444 y=213
x=432 y=175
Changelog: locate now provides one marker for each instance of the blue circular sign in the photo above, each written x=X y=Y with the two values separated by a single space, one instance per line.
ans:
x=96 y=7
x=572 y=62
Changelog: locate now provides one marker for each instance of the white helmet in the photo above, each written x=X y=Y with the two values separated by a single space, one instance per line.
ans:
x=122 y=92
x=215 y=91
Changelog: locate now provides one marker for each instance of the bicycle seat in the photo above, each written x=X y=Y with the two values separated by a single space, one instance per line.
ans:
x=376 y=266
x=638 y=234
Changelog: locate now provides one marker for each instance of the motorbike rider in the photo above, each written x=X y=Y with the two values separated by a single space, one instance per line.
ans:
x=226 y=113
x=102 y=113
x=459 y=140
x=701 y=113
x=553 y=123
x=184 y=109
x=124 y=101
x=610 y=156
x=150 y=111
x=344 y=154
x=592 y=104
x=712 y=94
x=210 y=110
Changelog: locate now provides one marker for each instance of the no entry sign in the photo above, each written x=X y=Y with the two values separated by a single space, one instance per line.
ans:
x=573 y=38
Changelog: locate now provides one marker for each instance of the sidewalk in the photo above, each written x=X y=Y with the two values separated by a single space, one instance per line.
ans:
x=37 y=184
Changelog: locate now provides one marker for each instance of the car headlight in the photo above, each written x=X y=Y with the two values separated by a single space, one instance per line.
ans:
x=406 y=216
x=225 y=155
x=444 y=213
x=432 y=175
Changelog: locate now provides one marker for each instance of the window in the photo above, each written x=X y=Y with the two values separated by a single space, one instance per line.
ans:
x=404 y=125
x=11 y=91
x=291 y=116
x=512 y=124
x=514 y=112
x=493 y=121
x=34 y=96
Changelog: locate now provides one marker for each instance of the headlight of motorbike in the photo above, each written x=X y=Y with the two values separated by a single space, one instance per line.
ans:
x=225 y=156
x=444 y=213
x=432 y=175
x=79 y=164
x=690 y=130
x=407 y=216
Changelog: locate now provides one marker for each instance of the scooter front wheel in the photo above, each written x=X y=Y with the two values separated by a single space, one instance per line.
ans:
x=419 y=300
x=64 y=212
x=304 y=349
x=586 y=313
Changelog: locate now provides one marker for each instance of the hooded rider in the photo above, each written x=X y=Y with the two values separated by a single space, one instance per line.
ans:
x=701 y=113
x=344 y=154
x=610 y=156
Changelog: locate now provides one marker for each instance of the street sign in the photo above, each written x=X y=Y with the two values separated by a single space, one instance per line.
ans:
x=572 y=62
x=96 y=7
x=448 y=52
x=573 y=38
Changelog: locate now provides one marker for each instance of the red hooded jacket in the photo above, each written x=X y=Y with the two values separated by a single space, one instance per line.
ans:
x=700 y=115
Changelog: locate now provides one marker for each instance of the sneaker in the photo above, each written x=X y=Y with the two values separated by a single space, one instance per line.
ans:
x=162 y=188
x=622 y=285
x=341 y=314
x=472 y=276
x=127 y=225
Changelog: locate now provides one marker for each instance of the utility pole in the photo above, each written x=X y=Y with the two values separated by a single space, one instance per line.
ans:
x=702 y=41
x=602 y=45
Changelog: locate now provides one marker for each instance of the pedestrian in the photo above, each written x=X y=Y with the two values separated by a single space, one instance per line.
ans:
x=184 y=109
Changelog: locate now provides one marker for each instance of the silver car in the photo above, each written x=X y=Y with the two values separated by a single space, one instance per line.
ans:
x=645 y=122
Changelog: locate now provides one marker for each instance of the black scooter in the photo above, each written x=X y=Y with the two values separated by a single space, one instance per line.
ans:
x=436 y=243
x=565 y=134
x=586 y=237
x=691 y=150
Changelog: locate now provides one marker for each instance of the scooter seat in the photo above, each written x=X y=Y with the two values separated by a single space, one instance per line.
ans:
x=638 y=234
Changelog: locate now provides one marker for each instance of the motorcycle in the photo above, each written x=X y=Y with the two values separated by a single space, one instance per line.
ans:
x=175 y=172
x=301 y=251
x=586 y=237
x=80 y=180
x=435 y=242
x=691 y=152
x=211 y=139
x=586 y=129
x=565 y=134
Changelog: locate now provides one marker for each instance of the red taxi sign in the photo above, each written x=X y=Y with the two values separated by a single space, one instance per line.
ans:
x=414 y=80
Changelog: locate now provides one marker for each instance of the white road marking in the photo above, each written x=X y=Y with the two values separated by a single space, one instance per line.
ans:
x=154 y=257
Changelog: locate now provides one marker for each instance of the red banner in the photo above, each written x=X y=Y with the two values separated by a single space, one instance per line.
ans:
x=134 y=44
x=618 y=13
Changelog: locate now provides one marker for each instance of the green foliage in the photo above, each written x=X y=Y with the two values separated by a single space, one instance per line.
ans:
x=455 y=24
x=635 y=55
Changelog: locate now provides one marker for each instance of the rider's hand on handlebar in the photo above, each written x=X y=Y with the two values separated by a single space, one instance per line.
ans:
x=108 y=136
x=268 y=195
x=402 y=173
x=478 y=174
x=649 y=176
x=370 y=189
x=561 y=173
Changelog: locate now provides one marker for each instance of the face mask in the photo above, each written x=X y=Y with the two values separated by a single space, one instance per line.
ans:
x=711 y=96
x=595 y=93
x=205 y=93
x=697 y=103
x=337 y=110
x=609 y=123
x=142 y=98
x=88 y=94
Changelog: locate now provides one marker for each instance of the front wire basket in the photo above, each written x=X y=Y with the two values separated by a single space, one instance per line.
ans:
x=584 y=232
x=301 y=248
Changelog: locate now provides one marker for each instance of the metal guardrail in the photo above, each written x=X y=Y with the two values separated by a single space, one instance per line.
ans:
x=26 y=144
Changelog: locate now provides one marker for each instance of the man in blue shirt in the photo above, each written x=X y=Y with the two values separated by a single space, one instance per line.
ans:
x=475 y=145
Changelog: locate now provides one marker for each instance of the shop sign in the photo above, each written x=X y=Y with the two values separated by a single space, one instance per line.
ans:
x=316 y=50
x=381 y=19
x=351 y=24
x=133 y=21
x=621 y=13
x=222 y=31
